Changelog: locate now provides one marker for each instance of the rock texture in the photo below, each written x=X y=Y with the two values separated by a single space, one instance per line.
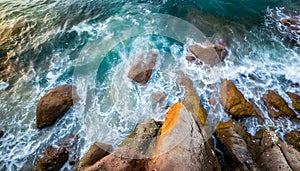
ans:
x=233 y=139
x=181 y=144
x=293 y=138
x=234 y=102
x=53 y=159
x=295 y=100
x=191 y=99
x=55 y=104
x=141 y=71
x=158 y=97
x=276 y=105
x=96 y=152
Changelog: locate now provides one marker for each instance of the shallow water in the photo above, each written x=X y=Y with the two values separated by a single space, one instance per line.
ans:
x=92 y=44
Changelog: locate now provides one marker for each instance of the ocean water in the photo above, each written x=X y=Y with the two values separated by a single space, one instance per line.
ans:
x=92 y=44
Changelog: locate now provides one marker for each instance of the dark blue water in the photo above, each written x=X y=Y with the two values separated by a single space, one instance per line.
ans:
x=92 y=44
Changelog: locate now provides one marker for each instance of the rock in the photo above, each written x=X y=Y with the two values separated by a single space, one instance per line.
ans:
x=96 y=152
x=293 y=138
x=234 y=102
x=292 y=24
x=1 y=133
x=190 y=58
x=260 y=114
x=191 y=99
x=158 y=97
x=232 y=137
x=54 y=158
x=123 y=159
x=276 y=105
x=55 y=104
x=291 y=155
x=207 y=55
x=295 y=100
x=181 y=145
x=221 y=51
x=141 y=71
x=144 y=134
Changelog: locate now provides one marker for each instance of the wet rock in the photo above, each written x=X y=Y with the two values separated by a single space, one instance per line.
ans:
x=234 y=138
x=276 y=105
x=291 y=155
x=191 y=99
x=292 y=24
x=260 y=114
x=144 y=134
x=207 y=55
x=54 y=158
x=55 y=104
x=96 y=152
x=295 y=100
x=158 y=97
x=181 y=144
x=293 y=138
x=123 y=159
x=190 y=58
x=234 y=102
x=141 y=71
x=221 y=50
x=1 y=133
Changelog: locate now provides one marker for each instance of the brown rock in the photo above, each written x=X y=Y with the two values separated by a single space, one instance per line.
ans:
x=1 y=133
x=260 y=114
x=190 y=58
x=53 y=159
x=234 y=138
x=295 y=100
x=234 y=102
x=96 y=152
x=158 y=97
x=181 y=144
x=291 y=155
x=221 y=51
x=123 y=159
x=55 y=104
x=191 y=99
x=293 y=138
x=141 y=71
x=208 y=55
x=276 y=105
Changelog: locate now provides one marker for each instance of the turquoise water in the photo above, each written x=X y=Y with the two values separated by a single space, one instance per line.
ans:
x=92 y=44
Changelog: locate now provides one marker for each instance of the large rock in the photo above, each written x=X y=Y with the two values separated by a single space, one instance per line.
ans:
x=234 y=102
x=55 y=104
x=276 y=105
x=211 y=55
x=191 y=100
x=234 y=138
x=141 y=71
x=295 y=100
x=96 y=152
x=53 y=159
x=181 y=145
x=293 y=138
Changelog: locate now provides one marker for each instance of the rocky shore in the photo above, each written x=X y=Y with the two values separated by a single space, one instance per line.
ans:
x=184 y=140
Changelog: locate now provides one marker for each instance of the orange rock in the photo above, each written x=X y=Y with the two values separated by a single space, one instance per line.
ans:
x=234 y=102
x=276 y=105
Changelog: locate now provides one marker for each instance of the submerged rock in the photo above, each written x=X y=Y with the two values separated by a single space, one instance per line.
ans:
x=233 y=139
x=55 y=104
x=276 y=105
x=54 y=158
x=96 y=152
x=141 y=71
x=1 y=133
x=158 y=97
x=181 y=144
x=293 y=138
x=295 y=100
x=234 y=102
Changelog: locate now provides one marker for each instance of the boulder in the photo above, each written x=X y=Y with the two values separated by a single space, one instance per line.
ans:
x=181 y=144
x=190 y=58
x=191 y=100
x=123 y=159
x=71 y=144
x=141 y=70
x=96 y=152
x=54 y=158
x=276 y=105
x=234 y=102
x=292 y=24
x=158 y=97
x=295 y=100
x=55 y=104
x=1 y=133
x=293 y=138
x=233 y=139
